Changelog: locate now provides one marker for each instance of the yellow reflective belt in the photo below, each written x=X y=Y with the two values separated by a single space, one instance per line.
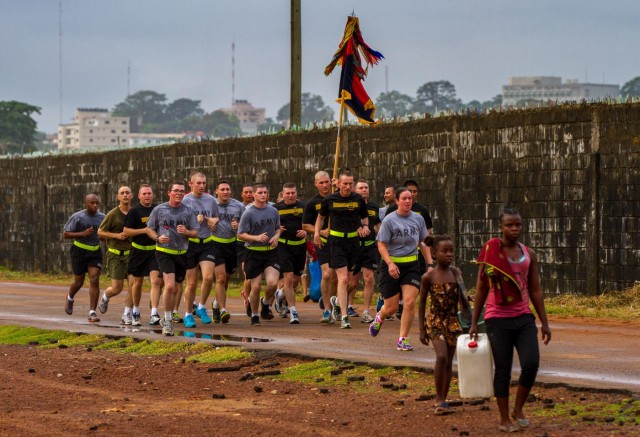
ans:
x=343 y=234
x=291 y=242
x=260 y=248
x=170 y=251
x=223 y=240
x=119 y=252
x=324 y=240
x=404 y=259
x=202 y=240
x=141 y=247
x=367 y=243
x=86 y=246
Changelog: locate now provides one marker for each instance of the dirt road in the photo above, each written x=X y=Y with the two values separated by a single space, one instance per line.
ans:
x=601 y=354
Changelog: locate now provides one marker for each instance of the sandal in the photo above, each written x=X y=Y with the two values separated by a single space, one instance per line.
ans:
x=509 y=428
x=522 y=423
x=442 y=409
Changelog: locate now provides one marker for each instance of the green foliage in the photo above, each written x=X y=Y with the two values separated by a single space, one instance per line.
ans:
x=313 y=110
x=17 y=126
x=437 y=96
x=395 y=104
x=143 y=107
x=220 y=355
x=24 y=336
x=631 y=88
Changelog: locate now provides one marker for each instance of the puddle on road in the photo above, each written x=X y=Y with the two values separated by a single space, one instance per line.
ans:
x=190 y=334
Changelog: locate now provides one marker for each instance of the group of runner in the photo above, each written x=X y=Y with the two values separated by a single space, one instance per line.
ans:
x=200 y=235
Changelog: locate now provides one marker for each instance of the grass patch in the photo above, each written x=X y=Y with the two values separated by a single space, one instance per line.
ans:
x=24 y=336
x=626 y=410
x=130 y=345
x=220 y=355
x=624 y=305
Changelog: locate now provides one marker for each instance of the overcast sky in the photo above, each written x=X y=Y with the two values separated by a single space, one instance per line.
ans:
x=183 y=48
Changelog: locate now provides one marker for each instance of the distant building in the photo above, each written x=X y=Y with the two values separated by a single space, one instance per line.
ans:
x=545 y=88
x=93 y=128
x=249 y=116
x=152 y=139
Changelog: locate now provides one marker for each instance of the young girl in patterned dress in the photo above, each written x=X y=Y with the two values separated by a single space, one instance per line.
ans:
x=442 y=325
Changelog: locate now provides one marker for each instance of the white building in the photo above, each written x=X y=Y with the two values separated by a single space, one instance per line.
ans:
x=142 y=139
x=545 y=88
x=249 y=116
x=93 y=128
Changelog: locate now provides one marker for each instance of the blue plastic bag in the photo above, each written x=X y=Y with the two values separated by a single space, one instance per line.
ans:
x=316 y=277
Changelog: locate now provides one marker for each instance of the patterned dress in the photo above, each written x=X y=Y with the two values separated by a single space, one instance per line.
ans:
x=442 y=319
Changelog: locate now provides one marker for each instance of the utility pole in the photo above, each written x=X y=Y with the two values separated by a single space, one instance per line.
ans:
x=295 y=100
x=233 y=73
x=60 y=55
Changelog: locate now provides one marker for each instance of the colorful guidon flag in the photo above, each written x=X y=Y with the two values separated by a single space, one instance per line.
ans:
x=350 y=54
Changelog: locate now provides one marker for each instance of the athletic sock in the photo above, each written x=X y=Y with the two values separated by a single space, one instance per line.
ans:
x=264 y=302
x=200 y=306
x=223 y=310
x=255 y=315
x=378 y=319
x=69 y=298
x=168 y=316
x=127 y=310
x=293 y=308
x=104 y=297
x=154 y=310
x=215 y=303
x=136 y=310
x=188 y=313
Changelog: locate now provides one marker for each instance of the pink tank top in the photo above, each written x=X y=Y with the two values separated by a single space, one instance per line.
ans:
x=521 y=274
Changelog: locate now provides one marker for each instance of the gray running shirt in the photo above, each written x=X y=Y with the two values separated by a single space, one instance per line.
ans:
x=402 y=234
x=164 y=219
x=80 y=221
x=205 y=205
x=256 y=221
x=227 y=212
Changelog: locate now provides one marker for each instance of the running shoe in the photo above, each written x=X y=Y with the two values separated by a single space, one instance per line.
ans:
x=167 y=328
x=374 y=327
x=194 y=309
x=351 y=312
x=93 y=318
x=321 y=303
x=366 y=317
x=337 y=314
x=265 y=311
x=284 y=312
x=224 y=317
x=154 y=320
x=68 y=306
x=127 y=319
x=403 y=345
x=247 y=308
x=294 y=320
x=344 y=324
x=215 y=312
x=379 y=304
x=278 y=304
x=326 y=318
x=175 y=318
x=204 y=317
x=255 y=320
x=189 y=321
x=103 y=305
x=136 y=320
x=399 y=312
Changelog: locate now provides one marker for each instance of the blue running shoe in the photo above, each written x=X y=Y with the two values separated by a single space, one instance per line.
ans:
x=204 y=317
x=189 y=321
x=326 y=317
x=351 y=312
x=379 y=304
x=403 y=345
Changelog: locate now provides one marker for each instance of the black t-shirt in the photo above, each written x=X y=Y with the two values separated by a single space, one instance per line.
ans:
x=137 y=219
x=290 y=218
x=345 y=213
x=311 y=209
x=374 y=219
x=418 y=209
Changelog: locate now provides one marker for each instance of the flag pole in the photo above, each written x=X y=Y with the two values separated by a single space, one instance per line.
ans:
x=335 y=161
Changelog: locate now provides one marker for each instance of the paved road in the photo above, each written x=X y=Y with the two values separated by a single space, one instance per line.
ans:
x=586 y=354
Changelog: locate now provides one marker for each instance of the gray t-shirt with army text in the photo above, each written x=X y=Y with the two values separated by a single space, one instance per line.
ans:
x=80 y=221
x=164 y=219
x=402 y=234
x=205 y=205
x=256 y=221
x=227 y=212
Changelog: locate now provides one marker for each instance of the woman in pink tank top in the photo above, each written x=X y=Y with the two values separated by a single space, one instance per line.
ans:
x=508 y=280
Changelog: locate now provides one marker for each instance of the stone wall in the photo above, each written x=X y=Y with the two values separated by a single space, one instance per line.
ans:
x=573 y=172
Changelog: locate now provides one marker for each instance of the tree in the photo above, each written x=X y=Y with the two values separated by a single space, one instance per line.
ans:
x=143 y=107
x=631 y=88
x=495 y=102
x=17 y=127
x=269 y=125
x=313 y=110
x=180 y=109
x=394 y=103
x=220 y=124
x=438 y=96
